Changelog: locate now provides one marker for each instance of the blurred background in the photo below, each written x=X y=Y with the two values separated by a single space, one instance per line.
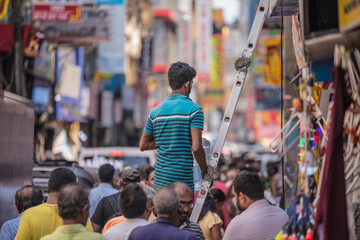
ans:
x=94 y=69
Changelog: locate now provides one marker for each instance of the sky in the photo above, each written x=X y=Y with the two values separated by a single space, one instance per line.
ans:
x=230 y=7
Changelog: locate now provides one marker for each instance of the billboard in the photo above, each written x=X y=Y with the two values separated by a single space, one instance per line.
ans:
x=57 y=10
x=94 y=26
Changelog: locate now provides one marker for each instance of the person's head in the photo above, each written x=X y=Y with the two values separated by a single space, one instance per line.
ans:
x=180 y=76
x=128 y=176
x=74 y=204
x=186 y=199
x=143 y=170
x=150 y=177
x=219 y=198
x=106 y=173
x=59 y=178
x=166 y=204
x=27 y=197
x=149 y=192
x=248 y=188
x=132 y=202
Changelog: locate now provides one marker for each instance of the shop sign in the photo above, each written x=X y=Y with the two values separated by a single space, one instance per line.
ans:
x=3 y=8
x=69 y=86
x=349 y=14
x=272 y=60
x=203 y=39
x=57 y=10
x=185 y=39
x=94 y=26
x=111 y=53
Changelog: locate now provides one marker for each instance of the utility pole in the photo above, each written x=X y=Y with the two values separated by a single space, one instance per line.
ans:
x=18 y=51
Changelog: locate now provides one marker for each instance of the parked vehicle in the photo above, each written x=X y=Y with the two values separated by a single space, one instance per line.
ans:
x=119 y=157
x=41 y=173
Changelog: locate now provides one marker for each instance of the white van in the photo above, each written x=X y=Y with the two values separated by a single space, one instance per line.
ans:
x=119 y=157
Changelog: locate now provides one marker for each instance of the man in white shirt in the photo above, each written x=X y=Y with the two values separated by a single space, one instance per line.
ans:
x=259 y=219
x=136 y=208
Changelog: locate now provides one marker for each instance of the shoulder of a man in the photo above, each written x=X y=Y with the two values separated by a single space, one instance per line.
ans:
x=5 y=232
x=25 y=230
x=187 y=235
x=194 y=228
x=233 y=230
x=138 y=232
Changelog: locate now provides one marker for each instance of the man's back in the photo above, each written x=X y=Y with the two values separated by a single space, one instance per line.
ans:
x=170 y=123
x=73 y=232
x=96 y=194
x=105 y=209
x=259 y=221
x=162 y=229
x=122 y=230
x=39 y=221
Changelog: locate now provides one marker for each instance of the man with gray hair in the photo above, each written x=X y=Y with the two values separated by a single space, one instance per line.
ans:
x=166 y=204
x=74 y=207
x=26 y=197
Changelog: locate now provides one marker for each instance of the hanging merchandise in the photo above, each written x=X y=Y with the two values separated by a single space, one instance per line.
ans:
x=331 y=219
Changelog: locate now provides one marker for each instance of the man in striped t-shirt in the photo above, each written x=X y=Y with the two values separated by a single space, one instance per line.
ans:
x=175 y=127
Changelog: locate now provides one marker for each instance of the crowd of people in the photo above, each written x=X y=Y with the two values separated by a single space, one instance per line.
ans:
x=153 y=203
x=133 y=209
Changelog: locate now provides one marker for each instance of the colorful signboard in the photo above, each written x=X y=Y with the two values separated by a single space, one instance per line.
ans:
x=203 y=39
x=57 y=10
x=349 y=14
x=185 y=39
x=111 y=53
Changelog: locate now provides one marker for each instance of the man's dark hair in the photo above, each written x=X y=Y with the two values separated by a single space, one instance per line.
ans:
x=132 y=202
x=180 y=73
x=27 y=197
x=143 y=169
x=71 y=201
x=250 y=184
x=106 y=173
x=60 y=177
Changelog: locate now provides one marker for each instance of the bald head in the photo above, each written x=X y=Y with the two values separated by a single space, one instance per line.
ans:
x=166 y=202
x=28 y=196
x=180 y=187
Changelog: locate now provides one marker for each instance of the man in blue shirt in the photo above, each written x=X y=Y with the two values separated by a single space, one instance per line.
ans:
x=166 y=205
x=26 y=197
x=104 y=189
x=175 y=127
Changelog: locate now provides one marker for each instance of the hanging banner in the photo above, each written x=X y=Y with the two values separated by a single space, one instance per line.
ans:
x=111 y=53
x=57 y=10
x=185 y=39
x=203 y=39
x=349 y=14
x=272 y=60
x=298 y=43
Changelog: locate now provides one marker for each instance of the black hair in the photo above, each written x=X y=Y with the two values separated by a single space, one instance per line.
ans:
x=144 y=171
x=209 y=205
x=71 y=201
x=218 y=194
x=180 y=73
x=132 y=202
x=106 y=173
x=250 y=169
x=60 y=177
x=148 y=171
x=27 y=197
x=250 y=184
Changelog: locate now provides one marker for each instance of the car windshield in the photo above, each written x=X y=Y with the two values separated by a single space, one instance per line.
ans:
x=119 y=162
